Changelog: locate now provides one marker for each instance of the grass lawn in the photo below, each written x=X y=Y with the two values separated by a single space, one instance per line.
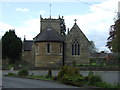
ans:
x=39 y=77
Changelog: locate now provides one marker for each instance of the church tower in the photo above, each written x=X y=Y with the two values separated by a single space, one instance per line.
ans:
x=48 y=44
x=57 y=24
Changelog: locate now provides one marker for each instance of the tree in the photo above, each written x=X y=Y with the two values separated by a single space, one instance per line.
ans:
x=113 y=42
x=93 y=49
x=11 y=46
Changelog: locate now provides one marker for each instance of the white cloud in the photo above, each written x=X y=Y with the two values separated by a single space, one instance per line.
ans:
x=30 y=29
x=96 y=24
x=104 y=49
x=22 y=9
x=42 y=12
x=5 y=27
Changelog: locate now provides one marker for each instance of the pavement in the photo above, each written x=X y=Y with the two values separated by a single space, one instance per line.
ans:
x=14 y=82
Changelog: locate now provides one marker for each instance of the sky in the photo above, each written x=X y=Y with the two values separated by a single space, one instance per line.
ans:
x=94 y=17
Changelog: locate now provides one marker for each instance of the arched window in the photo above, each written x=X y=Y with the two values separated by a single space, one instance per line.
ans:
x=73 y=52
x=60 y=48
x=78 y=49
x=75 y=48
x=48 y=48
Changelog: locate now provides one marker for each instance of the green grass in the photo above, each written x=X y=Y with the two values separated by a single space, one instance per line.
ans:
x=40 y=77
x=105 y=85
x=93 y=64
x=11 y=74
x=33 y=77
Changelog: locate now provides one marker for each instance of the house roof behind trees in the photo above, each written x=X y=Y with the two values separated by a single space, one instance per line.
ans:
x=27 y=44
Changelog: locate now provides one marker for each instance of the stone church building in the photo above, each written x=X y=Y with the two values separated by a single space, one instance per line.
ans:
x=53 y=47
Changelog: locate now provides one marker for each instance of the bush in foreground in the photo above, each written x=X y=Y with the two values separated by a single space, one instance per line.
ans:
x=49 y=73
x=70 y=75
x=92 y=78
x=23 y=72
x=11 y=74
x=68 y=70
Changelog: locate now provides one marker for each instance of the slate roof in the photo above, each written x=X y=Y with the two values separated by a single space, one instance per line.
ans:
x=48 y=34
x=27 y=44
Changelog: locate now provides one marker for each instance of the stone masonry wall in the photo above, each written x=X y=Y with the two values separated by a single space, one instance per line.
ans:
x=48 y=59
x=84 y=57
x=54 y=23
x=26 y=56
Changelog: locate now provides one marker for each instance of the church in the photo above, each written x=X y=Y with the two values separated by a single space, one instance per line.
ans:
x=54 y=47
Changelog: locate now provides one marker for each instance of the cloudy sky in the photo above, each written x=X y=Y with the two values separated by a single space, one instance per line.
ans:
x=94 y=17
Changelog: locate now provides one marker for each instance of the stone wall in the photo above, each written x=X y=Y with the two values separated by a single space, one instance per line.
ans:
x=42 y=58
x=26 y=56
x=54 y=23
x=76 y=34
x=33 y=55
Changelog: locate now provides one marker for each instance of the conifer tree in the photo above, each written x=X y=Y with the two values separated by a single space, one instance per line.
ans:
x=11 y=46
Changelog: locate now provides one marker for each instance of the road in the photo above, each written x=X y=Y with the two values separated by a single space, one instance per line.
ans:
x=14 y=82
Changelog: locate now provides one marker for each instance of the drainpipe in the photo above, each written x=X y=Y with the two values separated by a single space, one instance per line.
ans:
x=63 y=62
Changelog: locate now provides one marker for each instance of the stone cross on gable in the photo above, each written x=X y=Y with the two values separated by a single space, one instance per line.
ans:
x=75 y=20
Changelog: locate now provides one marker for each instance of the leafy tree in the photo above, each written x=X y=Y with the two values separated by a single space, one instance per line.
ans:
x=113 y=42
x=93 y=49
x=11 y=46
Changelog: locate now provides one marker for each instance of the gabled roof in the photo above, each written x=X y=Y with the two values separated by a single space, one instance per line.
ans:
x=48 y=34
x=75 y=29
x=27 y=44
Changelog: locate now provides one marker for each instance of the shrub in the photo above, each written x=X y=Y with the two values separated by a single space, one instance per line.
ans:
x=55 y=78
x=66 y=79
x=23 y=72
x=76 y=80
x=70 y=75
x=32 y=74
x=92 y=78
x=72 y=71
x=11 y=74
x=49 y=73
x=62 y=71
